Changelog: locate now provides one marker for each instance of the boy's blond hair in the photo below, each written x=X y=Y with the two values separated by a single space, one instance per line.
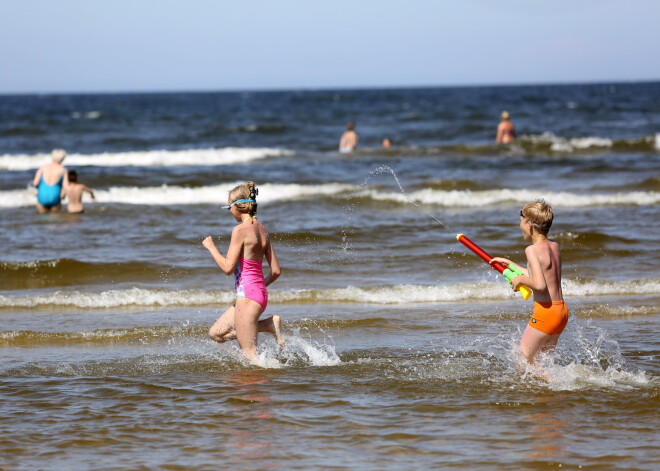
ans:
x=540 y=214
x=248 y=191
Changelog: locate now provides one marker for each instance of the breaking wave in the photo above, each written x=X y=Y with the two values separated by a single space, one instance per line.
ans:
x=473 y=199
x=464 y=198
x=152 y=158
x=392 y=294
x=173 y=195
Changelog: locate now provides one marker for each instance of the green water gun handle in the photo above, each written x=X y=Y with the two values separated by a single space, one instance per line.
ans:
x=510 y=273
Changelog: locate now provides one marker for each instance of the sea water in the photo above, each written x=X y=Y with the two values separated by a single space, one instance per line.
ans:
x=401 y=344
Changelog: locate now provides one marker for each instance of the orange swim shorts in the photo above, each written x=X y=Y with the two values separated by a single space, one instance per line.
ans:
x=550 y=318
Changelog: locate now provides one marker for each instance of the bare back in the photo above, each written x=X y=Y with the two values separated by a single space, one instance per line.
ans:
x=506 y=132
x=51 y=174
x=348 y=140
x=544 y=264
x=74 y=194
x=254 y=239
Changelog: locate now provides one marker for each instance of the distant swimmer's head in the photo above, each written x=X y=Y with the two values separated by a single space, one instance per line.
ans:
x=244 y=198
x=350 y=126
x=58 y=155
x=504 y=115
x=73 y=176
x=539 y=214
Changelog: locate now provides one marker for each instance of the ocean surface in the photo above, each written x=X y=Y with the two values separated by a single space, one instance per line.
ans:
x=401 y=344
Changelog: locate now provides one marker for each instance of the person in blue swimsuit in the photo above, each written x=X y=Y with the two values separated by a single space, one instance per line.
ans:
x=50 y=179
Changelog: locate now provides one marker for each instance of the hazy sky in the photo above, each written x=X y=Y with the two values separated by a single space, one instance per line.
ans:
x=140 y=45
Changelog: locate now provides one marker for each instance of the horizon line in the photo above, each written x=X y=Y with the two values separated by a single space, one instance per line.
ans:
x=327 y=88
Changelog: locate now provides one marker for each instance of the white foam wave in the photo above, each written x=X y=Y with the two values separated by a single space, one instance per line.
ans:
x=398 y=294
x=616 y=288
x=615 y=311
x=405 y=294
x=172 y=195
x=152 y=158
x=120 y=298
x=475 y=199
x=216 y=194
x=562 y=144
x=87 y=115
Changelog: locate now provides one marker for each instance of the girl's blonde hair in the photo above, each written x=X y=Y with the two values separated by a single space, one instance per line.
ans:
x=248 y=191
x=540 y=214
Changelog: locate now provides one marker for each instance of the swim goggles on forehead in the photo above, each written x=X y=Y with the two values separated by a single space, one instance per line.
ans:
x=532 y=223
x=237 y=201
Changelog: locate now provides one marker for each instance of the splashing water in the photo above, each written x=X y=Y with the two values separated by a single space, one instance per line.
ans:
x=586 y=358
x=384 y=169
x=345 y=250
x=298 y=352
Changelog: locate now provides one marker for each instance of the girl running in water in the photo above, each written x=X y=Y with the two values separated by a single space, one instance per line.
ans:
x=248 y=247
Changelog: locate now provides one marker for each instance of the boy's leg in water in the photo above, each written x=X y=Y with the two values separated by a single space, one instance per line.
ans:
x=225 y=327
x=551 y=343
x=533 y=341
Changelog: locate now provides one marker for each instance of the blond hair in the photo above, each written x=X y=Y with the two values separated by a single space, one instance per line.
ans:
x=248 y=191
x=540 y=214
x=58 y=155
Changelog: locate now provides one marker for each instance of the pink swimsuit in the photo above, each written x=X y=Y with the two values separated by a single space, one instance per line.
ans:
x=250 y=281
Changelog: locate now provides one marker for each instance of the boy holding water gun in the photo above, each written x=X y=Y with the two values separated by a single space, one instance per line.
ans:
x=543 y=276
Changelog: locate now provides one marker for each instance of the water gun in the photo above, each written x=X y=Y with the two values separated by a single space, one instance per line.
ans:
x=509 y=272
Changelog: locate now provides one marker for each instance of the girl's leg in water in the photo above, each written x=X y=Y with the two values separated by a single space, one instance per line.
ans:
x=225 y=327
x=247 y=326
x=273 y=325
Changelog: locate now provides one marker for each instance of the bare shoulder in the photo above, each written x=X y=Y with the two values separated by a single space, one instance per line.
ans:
x=263 y=231
x=531 y=253
x=545 y=252
x=261 y=227
x=536 y=250
x=531 y=249
x=246 y=230
x=554 y=246
x=238 y=232
x=549 y=245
